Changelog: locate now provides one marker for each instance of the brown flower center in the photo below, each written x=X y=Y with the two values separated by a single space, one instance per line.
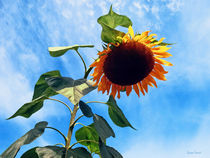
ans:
x=128 y=63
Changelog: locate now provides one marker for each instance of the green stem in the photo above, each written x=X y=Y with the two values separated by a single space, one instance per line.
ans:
x=87 y=72
x=95 y=102
x=60 y=144
x=58 y=132
x=83 y=141
x=82 y=60
x=79 y=124
x=61 y=102
x=77 y=120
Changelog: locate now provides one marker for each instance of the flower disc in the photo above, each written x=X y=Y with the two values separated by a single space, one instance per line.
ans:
x=128 y=63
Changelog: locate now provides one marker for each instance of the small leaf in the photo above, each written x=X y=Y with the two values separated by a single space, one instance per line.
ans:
x=109 y=22
x=102 y=127
x=30 y=154
x=29 y=108
x=107 y=151
x=29 y=137
x=113 y=20
x=109 y=35
x=86 y=110
x=51 y=152
x=59 y=51
x=41 y=88
x=79 y=152
x=88 y=133
x=74 y=90
x=116 y=114
x=113 y=152
x=103 y=150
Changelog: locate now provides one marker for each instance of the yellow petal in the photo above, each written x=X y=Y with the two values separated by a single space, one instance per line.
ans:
x=162 y=49
x=130 y=31
x=163 y=62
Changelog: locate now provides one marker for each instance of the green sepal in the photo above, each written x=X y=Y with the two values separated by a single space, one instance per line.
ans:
x=59 y=51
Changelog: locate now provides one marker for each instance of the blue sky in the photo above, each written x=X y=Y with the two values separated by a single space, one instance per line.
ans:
x=171 y=120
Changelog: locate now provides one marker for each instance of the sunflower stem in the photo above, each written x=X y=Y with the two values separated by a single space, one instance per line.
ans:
x=71 y=127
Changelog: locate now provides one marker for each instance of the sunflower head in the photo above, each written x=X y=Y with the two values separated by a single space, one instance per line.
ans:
x=131 y=64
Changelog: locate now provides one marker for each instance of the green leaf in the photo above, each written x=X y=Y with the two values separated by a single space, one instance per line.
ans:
x=79 y=152
x=58 y=51
x=41 y=92
x=116 y=114
x=103 y=151
x=56 y=152
x=74 y=90
x=86 y=110
x=30 y=154
x=29 y=137
x=107 y=151
x=102 y=127
x=88 y=133
x=41 y=88
x=109 y=35
x=109 y=22
x=50 y=151
x=29 y=108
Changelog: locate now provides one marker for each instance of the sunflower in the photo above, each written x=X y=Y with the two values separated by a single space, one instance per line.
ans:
x=131 y=64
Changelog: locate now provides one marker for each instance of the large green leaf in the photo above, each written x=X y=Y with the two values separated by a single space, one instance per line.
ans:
x=116 y=114
x=74 y=90
x=107 y=151
x=56 y=152
x=41 y=88
x=29 y=108
x=88 y=133
x=41 y=92
x=29 y=137
x=102 y=127
x=86 y=110
x=109 y=22
x=58 y=51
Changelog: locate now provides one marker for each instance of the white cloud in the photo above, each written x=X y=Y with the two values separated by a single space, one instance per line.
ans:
x=137 y=9
x=174 y=5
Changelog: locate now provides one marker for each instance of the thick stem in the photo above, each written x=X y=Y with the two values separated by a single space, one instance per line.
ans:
x=71 y=126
